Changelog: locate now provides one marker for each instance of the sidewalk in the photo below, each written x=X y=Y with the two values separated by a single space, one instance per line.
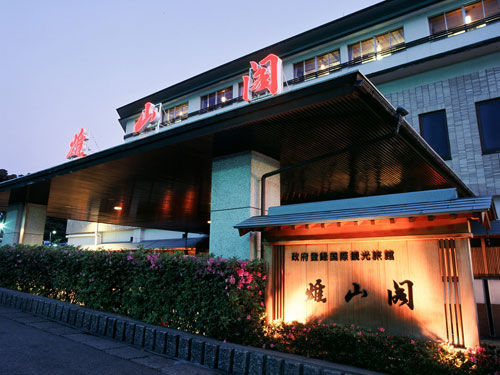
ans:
x=34 y=345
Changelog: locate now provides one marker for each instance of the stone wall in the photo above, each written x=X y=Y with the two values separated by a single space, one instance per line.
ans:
x=458 y=96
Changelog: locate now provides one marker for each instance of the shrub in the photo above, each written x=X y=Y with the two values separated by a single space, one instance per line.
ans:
x=223 y=299
x=220 y=298
x=378 y=350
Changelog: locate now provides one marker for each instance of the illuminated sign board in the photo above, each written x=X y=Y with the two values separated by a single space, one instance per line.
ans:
x=76 y=147
x=266 y=75
x=150 y=114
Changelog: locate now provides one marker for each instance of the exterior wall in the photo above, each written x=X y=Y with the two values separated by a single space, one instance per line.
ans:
x=415 y=26
x=98 y=235
x=25 y=223
x=428 y=263
x=458 y=95
x=236 y=196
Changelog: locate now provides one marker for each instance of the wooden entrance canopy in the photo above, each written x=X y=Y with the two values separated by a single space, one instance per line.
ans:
x=164 y=180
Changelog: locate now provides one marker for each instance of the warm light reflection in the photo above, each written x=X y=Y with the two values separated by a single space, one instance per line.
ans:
x=468 y=19
x=295 y=308
x=117 y=208
x=415 y=260
x=189 y=201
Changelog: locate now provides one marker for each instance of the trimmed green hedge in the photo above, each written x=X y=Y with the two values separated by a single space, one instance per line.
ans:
x=223 y=299
x=215 y=297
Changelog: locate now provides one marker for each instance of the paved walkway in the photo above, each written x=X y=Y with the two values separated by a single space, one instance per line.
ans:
x=36 y=346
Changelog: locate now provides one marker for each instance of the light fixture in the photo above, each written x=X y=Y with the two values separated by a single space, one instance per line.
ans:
x=2 y=225
x=322 y=66
x=54 y=232
x=379 y=48
x=468 y=19
x=118 y=208
x=209 y=222
x=223 y=99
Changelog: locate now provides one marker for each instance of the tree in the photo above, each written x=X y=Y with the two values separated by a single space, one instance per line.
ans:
x=4 y=175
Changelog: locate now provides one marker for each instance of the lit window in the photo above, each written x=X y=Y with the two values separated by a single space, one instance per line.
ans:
x=471 y=14
x=369 y=49
x=176 y=113
x=216 y=98
x=488 y=115
x=434 y=130
x=317 y=64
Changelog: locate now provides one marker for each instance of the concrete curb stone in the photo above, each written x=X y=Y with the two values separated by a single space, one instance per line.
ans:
x=228 y=358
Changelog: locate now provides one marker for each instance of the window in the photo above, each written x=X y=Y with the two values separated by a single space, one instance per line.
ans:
x=176 y=114
x=369 y=48
x=216 y=98
x=434 y=130
x=316 y=64
x=464 y=15
x=488 y=118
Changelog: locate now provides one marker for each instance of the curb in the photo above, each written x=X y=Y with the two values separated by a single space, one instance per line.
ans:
x=210 y=353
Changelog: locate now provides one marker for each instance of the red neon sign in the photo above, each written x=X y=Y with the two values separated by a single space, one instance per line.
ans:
x=76 y=146
x=149 y=115
x=265 y=75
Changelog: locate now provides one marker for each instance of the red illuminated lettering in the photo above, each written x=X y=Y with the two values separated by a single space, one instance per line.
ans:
x=265 y=75
x=76 y=146
x=148 y=115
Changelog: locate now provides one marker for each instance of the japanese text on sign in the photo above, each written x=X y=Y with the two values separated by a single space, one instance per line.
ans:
x=76 y=146
x=334 y=256
x=264 y=76
x=149 y=115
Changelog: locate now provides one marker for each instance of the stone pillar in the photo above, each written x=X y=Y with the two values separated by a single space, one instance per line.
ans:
x=24 y=223
x=235 y=196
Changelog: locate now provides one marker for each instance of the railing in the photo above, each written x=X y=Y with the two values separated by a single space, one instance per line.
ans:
x=320 y=73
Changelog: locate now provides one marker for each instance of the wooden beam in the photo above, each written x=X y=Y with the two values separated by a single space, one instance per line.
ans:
x=485 y=258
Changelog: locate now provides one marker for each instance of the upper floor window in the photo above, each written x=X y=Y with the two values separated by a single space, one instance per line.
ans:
x=316 y=64
x=369 y=48
x=176 y=114
x=488 y=117
x=434 y=130
x=464 y=15
x=216 y=97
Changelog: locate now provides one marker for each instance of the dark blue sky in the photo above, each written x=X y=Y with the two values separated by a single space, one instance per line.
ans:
x=69 y=64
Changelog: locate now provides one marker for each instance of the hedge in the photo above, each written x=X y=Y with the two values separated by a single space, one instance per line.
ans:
x=216 y=297
x=223 y=299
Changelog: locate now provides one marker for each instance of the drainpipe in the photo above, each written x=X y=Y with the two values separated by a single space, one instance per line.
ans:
x=400 y=113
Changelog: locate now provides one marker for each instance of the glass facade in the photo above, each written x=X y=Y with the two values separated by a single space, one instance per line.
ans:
x=464 y=16
x=176 y=113
x=368 y=49
x=316 y=64
x=216 y=98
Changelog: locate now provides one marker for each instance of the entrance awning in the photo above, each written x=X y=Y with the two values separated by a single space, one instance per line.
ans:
x=461 y=207
x=164 y=180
